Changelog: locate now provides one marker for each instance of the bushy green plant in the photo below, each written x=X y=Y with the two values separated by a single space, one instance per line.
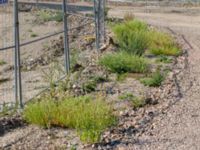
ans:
x=89 y=116
x=132 y=37
x=154 y=80
x=123 y=62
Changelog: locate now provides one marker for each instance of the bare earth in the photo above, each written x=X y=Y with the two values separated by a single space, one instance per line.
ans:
x=179 y=127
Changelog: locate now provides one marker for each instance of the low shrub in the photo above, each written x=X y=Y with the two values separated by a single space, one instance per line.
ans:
x=88 y=116
x=123 y=62
x=154 y=80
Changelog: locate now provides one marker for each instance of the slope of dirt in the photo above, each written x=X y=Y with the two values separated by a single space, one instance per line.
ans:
x=178 y=127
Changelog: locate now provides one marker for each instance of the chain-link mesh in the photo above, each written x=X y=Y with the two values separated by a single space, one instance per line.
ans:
x=6 y=54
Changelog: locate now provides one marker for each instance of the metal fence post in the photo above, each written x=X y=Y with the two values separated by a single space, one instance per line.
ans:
x=15 y=58
x=103 y=19
x=66 y=40
x=99 y=11
x=18 y=86
x=96 y=8
x=102 y=6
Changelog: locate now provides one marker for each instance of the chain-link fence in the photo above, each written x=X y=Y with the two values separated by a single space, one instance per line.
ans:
x=38 y=41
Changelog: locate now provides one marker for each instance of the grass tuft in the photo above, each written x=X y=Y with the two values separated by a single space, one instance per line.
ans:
x=2 y=62
x=136 y=102
x=34 y=35
x=91 y=84
x=123 y=62
x=87 y=115
x=47 y=15
x=168 y=51
x=164 y=59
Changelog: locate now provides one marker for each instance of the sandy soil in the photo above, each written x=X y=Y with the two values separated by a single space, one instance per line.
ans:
x=178 y=128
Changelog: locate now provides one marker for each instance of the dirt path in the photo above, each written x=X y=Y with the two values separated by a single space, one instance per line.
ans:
x=179 y=127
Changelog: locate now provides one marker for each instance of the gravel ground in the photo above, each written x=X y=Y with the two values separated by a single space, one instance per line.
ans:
x=178 y=128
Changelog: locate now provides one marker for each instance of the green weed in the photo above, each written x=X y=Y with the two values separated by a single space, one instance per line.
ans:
x=121 y=77
x=47 y=15
x=2 y=62
x=91 y=84
x=164 y=59
x=136 y=102
x=154 y=80
x=34 y=35
x=168 y=51
x=2 y=80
